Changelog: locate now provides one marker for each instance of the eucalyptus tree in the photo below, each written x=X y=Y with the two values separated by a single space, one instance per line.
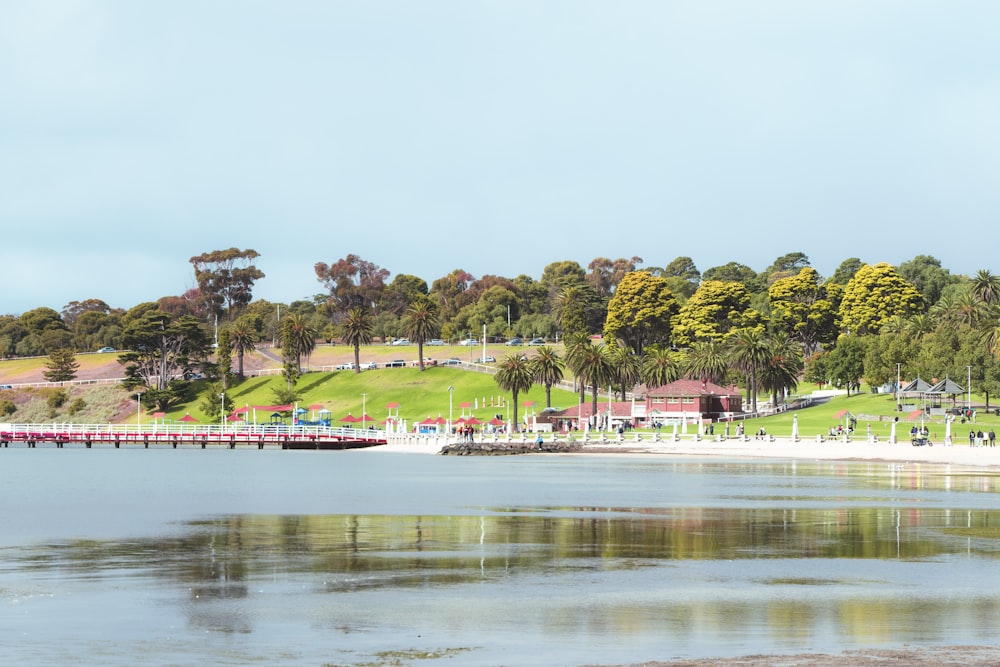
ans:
x=226 y=278
x=421 y=324
x=659 y=366
x=356 y=330
x=514 y=374
x=547 y=368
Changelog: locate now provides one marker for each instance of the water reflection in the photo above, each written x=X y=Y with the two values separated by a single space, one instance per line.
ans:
x=731 y=559
x=214 y=558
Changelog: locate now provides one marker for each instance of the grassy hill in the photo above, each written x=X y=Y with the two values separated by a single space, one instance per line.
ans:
x=419 y=395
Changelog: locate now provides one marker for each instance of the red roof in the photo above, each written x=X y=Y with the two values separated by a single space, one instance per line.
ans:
x=692 y=388
x=618 y=409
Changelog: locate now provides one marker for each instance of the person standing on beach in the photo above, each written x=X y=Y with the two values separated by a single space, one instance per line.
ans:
x=993 y=437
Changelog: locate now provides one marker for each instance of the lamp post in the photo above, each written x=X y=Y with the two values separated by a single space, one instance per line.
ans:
x=363 y=408
x=968 y=382
x=138 y=410
x=451 y=393
x=222 y=413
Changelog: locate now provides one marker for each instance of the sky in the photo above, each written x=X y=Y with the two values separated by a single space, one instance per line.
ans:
x=492 y=136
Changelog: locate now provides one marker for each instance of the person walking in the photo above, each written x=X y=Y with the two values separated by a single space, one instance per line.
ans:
x=993 y=437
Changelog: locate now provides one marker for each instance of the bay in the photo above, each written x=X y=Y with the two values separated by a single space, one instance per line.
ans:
x=192 y=557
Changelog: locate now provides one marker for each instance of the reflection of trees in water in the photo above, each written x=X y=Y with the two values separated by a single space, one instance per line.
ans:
x=216 y=557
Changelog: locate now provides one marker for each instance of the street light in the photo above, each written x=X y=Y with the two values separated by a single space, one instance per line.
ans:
x=222 y=415
x=451 y=392
x=138 y=410
x=968 y=382
x=363 y=410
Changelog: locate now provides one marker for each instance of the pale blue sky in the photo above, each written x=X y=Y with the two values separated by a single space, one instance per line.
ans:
x=492 y=136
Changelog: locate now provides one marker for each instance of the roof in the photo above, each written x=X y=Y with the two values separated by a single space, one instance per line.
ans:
x=618 y=409
x=946 y=386
x=916 y=386
x=686 y=387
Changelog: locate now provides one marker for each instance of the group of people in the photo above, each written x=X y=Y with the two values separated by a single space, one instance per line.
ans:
x=978 y=439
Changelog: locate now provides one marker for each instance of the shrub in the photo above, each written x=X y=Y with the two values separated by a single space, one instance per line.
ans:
x=56 y=398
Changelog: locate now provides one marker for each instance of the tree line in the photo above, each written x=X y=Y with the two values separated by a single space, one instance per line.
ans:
x=763 y=330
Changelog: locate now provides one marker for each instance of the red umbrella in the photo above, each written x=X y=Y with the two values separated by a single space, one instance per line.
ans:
x=234 y=418
x=460 y=420
x=350 y=418
x=496 y=422
x=316 y=406
x=840 y=414
x=187 y=418
x=366 y=417
x=913 y=415
x=428 y=422
x=440 y=420
x=473 y=421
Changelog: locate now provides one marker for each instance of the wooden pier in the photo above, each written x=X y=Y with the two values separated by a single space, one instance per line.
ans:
x=119 y=436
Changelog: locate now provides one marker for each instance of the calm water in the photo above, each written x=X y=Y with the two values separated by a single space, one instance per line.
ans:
x=191 y=557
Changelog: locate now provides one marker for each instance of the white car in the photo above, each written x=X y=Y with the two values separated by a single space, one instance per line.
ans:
x=486 y=360
x=468 y=341
x=435 y=342
x=368 y=365
x=346 y=367
x=450 y=362
x=401 y=341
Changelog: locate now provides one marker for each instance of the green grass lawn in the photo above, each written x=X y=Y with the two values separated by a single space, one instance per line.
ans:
x=419 y=394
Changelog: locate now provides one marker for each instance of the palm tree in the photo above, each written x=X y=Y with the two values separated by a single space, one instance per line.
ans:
x=547 y=368
x=298 y=338
x=514 y=374
x=748 y=353
x=592 y=366
x=576 y=344
x=242 y=339
x=626 y=367
x=356 y=329
x=986 y=287
x=659 y=366
x=781 y=373
x=421 y=324
x=706 y=360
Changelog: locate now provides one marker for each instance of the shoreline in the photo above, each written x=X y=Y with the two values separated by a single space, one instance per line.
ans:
x=778 y=448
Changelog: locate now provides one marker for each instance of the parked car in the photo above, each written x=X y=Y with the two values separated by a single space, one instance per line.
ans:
x=105 y=350
x=486 y=360
x=537 y=341
x=435 y=342
x=368 y=365
x=450 y=362
x=515 y=341
x=468 y=341
x=396 y=363
x=346 y=367
x=401 y=341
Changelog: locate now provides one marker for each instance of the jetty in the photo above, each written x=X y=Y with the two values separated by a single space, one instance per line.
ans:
x=263 y=436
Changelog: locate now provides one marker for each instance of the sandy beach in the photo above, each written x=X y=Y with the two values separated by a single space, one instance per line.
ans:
x=778 y=448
